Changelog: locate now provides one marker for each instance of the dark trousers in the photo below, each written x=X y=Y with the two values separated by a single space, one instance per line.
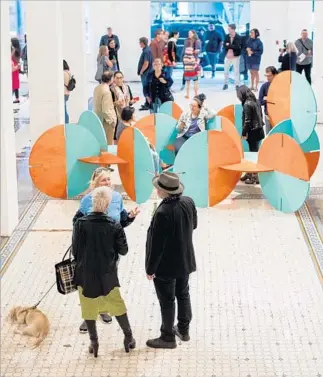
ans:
x=16 y=93
x=253 y=145
x=179 y=143
x=307 y=68
x=213 y=58
x=167 y=289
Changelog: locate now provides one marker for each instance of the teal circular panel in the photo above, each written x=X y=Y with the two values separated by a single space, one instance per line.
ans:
x=303 y=107
x=79 y=143
x=167 y=108
x=192 y=162
x=284 y=192
x=312 y=143
x=214 y=123
x=143 y=167
x=285 y=127
x=92 y=123
x=165 y=136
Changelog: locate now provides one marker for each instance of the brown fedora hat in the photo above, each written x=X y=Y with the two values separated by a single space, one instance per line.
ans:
x=168 y=182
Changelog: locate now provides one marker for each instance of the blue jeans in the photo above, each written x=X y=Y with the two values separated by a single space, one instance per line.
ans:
x=169 y=70
x=213 y=58
x=67 y=118
x=144 y=84
x=179 y=143
x=155 y=106
x=156 y=161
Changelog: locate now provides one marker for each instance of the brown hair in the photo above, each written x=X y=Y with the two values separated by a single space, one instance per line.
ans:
x=102 y=51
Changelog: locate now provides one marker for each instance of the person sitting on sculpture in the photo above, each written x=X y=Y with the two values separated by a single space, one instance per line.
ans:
x=193 y=121
x=100 y=178
x=128 y=120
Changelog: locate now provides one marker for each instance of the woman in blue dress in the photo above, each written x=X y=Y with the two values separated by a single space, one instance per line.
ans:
x=254 y=49
x=101 y=177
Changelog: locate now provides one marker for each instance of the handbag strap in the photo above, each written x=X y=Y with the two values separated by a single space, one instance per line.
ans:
x=69 y=250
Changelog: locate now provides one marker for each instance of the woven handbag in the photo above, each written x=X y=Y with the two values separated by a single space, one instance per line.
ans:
x=65 y=271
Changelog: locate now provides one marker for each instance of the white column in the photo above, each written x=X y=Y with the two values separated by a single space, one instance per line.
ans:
x=318 y=59
x=9 y=194
x=74 y=52
x=130 y=20
x=45 y=65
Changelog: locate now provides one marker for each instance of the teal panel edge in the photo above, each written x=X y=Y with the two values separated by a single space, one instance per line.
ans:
x=285 y=127
x=214 y=123
x=192 y=162
x=166 y=108
x=144 y=166
x=238 y=124
x=312 y=144
x=79 y=143
x=284 y=192
x=92 y=123
x=303 y=107
x=165 y=135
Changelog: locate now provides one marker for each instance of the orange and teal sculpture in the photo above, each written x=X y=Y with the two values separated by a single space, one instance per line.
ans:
x=63 y=158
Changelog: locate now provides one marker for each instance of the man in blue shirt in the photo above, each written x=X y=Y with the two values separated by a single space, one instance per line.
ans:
x=145 y=66
x=271 y=73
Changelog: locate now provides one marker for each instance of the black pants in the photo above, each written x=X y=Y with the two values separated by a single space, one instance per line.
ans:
x=253 y=145
x=16 y=93
x=167 y=289
x=307 y=68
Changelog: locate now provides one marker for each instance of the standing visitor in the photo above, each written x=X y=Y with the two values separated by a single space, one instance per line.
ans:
x=252 y=125
x=170 y=258
x=103 y=106
x=145 y=66
x=288 y=57
x=105 y=39
x=159 y=83
x=104 y=64
x=192 y=48
x=170 y=57
x=254 y=50
x=213 y=47
x=113 y=55
x=15 y=68
x=157 y=45
x=24 y=57
x=232 y=46
x=98 y=241
x=271 y=73
x=304 y=46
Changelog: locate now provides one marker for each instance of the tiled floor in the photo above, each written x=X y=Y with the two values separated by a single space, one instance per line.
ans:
x=257 y=301
x=257 y=297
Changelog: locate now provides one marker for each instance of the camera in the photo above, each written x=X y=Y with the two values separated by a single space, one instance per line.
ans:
x=284 y=46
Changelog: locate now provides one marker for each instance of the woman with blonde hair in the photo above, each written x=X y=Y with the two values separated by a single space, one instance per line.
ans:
x=101 y=178
x=104 y=64
x=97 y=243
x=288 y=57
x=192 y=48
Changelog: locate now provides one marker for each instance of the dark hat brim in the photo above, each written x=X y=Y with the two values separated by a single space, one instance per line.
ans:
x=173 y=192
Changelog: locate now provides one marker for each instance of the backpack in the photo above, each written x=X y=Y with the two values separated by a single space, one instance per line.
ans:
x=71 y=84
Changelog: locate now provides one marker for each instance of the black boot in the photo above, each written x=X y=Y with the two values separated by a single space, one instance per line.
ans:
x=245 y=177
x=94 y=346
x=129 y=341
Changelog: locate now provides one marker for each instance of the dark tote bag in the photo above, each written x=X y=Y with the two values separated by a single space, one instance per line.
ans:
x=65 y=272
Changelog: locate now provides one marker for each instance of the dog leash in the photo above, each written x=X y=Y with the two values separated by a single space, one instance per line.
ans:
x=35 y=306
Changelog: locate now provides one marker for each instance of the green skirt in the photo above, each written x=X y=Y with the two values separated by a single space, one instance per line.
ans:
x=112 y=303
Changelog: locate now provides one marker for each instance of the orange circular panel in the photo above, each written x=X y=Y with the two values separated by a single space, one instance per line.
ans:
x=222 y=150
x=227 y=112
x=147 y=126
x=278 y=99
x=229 y=128
x=176 y=111
x=312 y=159
x=126 y=152
x=47 y=163
x=247 y=167
x=283 y=154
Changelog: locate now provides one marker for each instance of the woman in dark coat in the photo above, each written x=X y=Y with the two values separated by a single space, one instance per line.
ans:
x=97 y=243
x=159 y=83
x=252 y=125
x=254 y=49
x=288 y=58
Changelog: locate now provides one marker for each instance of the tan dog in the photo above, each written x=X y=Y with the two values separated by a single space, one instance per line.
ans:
x=36 y=323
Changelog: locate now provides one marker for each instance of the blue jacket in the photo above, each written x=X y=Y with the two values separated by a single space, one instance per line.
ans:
x=115 y=210
x=257 y=49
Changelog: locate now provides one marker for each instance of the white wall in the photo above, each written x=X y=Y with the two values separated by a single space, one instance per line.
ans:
x=130 y=20
x=276 y=21
x=318 y=59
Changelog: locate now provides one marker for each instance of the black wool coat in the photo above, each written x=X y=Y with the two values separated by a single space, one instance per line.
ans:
x=169 y=246
x=97 y=243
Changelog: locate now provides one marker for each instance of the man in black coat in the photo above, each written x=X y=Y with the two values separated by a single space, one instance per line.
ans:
x=232 y=47
x=170 y=258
